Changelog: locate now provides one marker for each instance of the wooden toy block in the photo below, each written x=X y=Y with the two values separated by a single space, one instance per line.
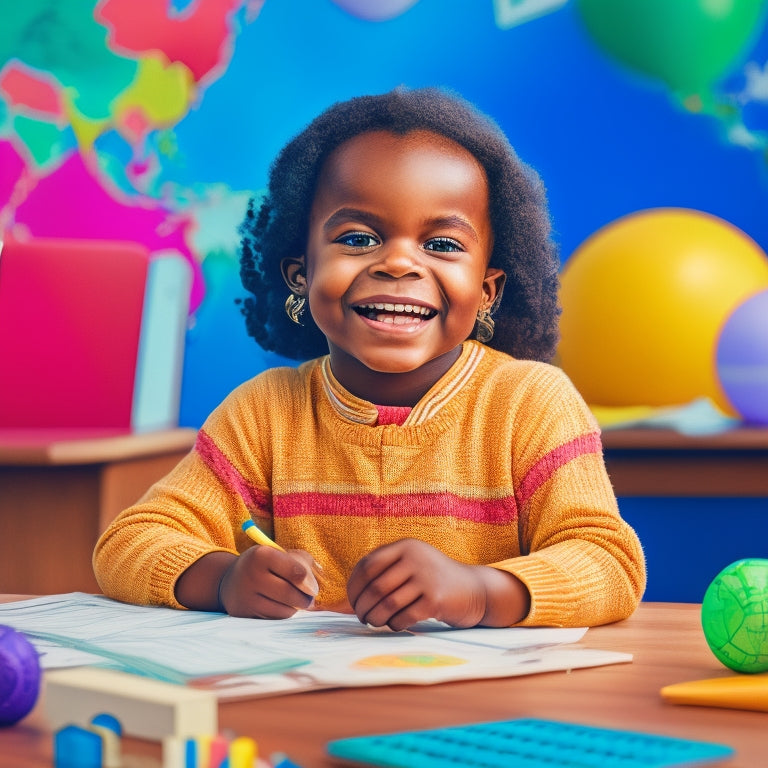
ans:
x=146 y=708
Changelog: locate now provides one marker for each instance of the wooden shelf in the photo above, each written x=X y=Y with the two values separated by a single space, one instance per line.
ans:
x=662 y=462
x=58 y=493
x=97 y=446
x=743 y=439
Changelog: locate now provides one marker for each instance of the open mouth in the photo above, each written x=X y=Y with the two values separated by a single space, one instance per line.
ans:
x=397 y=314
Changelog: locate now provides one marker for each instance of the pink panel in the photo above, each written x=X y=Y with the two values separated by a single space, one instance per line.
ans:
x=70 y=317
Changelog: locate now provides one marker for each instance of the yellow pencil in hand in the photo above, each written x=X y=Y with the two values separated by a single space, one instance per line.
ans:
x=256 y=534
x=253 y=532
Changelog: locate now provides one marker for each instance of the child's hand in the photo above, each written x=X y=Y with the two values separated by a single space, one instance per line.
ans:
x=265 y=583
x=408 y=581
x=405 y=582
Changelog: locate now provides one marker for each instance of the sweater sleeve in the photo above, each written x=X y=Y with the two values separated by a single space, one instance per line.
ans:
x=582 y=563
x=196 y=509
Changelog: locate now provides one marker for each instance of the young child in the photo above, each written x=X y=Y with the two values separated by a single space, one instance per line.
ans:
x=428 y=462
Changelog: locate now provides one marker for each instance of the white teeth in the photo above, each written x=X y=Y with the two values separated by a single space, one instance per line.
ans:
x=398 y=319
x=412 y=309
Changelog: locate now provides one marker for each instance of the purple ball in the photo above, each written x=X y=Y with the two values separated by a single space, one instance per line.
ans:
x=19 y=676
x=375 y=10
x=742 y=359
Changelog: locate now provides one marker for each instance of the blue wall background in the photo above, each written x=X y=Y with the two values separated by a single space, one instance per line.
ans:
x=607 y=141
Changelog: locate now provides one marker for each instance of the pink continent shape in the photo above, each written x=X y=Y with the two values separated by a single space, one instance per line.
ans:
x=70 y=202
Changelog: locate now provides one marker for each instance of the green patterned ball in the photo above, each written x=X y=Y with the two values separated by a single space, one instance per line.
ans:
x=734 y=615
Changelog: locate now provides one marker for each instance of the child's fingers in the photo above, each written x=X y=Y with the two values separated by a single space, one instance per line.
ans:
x=294 y=569
x=377 y=599
x=286 y=590
x=271 y=598
x=269 y=582
x=294 y=566
x=409 y=615
x=397 y=609
x=310 y=583
x=372 y=567
x=263 y=606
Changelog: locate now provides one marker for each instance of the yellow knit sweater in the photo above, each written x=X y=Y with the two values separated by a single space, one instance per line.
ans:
x=499 y=464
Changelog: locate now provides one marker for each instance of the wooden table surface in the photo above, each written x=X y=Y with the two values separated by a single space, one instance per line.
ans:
x=666 y=641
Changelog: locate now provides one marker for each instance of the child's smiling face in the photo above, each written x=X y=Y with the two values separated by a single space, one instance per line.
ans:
x=397 y=255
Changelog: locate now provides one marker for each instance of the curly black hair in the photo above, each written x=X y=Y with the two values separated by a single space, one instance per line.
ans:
x=277 y=226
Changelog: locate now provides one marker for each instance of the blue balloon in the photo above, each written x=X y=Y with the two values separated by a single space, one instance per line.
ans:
x=742 y=359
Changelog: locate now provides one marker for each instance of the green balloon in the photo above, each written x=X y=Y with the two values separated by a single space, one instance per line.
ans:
x=689 y=44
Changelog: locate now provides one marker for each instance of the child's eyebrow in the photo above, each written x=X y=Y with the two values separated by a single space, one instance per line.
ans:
x=459 y=222
x=357 y=214
x=371 y=219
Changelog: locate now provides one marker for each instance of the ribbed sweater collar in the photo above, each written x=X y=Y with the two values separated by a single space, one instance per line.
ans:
x=359 y=411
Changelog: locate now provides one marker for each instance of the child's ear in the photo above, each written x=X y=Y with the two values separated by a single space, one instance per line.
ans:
x=493 y=287
x=294 y=275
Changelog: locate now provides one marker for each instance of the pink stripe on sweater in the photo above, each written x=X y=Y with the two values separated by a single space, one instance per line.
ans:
x=546 y=466
x=393 y=414
x=229 y=475
x=418 y=505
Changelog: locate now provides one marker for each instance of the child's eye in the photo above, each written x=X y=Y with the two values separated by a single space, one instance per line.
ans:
x=357 y=240
x=443 y=245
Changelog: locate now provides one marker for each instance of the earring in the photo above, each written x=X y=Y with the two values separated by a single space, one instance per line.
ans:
x=294 y=307
x=485 y=326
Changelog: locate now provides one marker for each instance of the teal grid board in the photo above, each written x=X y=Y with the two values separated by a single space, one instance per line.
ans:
x=525 y=743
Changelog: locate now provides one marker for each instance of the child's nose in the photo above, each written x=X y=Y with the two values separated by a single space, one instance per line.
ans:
x=398 y=259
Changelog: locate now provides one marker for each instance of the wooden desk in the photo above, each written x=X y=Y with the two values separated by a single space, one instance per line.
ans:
x=59 y=492
x=665 y=639
x=662 y=462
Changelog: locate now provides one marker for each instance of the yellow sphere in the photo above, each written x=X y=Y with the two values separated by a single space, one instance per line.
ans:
x=644 y=299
